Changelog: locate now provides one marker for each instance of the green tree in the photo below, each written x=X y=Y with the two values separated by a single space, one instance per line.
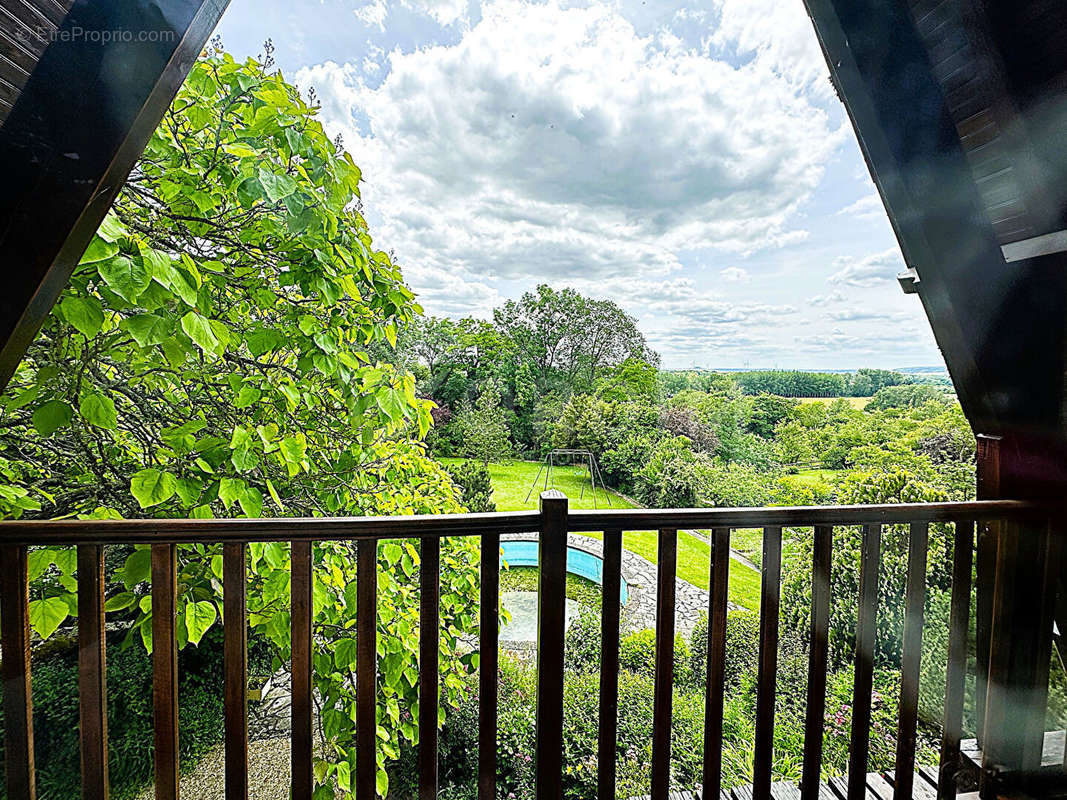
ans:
x=211 y=358
x=483 y=427
x=567 y=338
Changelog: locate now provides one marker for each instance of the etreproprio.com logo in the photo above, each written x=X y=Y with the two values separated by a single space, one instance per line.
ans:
x=76 y=33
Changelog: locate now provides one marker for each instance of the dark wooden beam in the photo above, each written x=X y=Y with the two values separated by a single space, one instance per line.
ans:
x=81 y=121
x=1000 y=327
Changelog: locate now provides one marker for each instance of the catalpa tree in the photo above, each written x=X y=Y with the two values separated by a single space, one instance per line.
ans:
x=219 y=352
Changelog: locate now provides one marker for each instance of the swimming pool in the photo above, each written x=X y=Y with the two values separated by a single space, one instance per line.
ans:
x=579 y=562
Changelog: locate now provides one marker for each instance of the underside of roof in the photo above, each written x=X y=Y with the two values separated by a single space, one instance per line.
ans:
x=26 y=27
x=86 y=90
x=961 y=112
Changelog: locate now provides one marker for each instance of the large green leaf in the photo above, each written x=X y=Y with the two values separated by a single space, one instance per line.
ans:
x=199 y=616
x=276 y=186
x=148 y=329
x=99 y=410
x=48 y=614
x=127 y=277
x=137 y=569
x=84 y=313
x=199 y=330
x=99 y=249
x=151 y=487
x=52 y=416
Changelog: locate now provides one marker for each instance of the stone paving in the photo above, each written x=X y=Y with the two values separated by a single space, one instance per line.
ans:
x=640 y=575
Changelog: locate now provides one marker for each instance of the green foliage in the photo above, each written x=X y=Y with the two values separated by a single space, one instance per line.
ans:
x=792 y=383
x=767 y=411
x=742 y=647
x=223 y=350
x=483 y=429
x=907 y=396
x=637 y=654
x=895 y=487
x=673 y=475
x=129 y=679
x=476 y=488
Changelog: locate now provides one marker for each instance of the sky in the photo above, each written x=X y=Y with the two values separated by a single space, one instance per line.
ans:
x=688 y=160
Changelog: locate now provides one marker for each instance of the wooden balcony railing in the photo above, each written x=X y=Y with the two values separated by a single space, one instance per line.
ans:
x=552 y=522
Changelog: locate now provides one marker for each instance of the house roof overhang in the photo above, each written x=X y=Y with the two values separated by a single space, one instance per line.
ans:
x=87 y=101
x=960 y=112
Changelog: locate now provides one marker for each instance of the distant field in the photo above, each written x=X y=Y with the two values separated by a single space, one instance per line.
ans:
x=855 y=402
x=512 y=482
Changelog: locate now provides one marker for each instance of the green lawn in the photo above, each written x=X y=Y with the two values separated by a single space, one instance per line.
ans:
x=512 y=482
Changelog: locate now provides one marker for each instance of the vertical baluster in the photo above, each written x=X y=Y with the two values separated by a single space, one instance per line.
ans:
x=715 y=690
x=667 y=557
x=366 y=666
x=301 y=588
x=429 y=644
x=165 y=669
x=18 y=704
x=609 y=664
x=489 y=610
x=817 y=658
x=235 y=661
x=92 y=673
x=956 y=672
x=915 y=597
x=551 y=624
x=985 y=575
x=768 y=663
x=866 y=628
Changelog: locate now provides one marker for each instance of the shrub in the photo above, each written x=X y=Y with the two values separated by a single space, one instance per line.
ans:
x=867 y=487
x=637 y=654
x=683 y=421
x=673 y=476
x=581 y=648
x=476 y=487
x=742 y=647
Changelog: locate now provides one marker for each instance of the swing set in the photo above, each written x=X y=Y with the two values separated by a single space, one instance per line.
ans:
x=575 y=457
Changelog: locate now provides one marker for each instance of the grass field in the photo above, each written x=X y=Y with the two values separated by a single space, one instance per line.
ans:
x=512 y=482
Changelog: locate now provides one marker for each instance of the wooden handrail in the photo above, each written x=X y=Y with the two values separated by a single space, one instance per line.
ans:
x=553 y=522
x=319 y=529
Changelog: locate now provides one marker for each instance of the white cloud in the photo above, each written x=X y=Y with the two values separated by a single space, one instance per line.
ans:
x=373 y=13
x=870 y=271
x=444 y=12
x=554 y=142
x=836 y=296
x=779 y=35
x=734 y=275
x=867 y=207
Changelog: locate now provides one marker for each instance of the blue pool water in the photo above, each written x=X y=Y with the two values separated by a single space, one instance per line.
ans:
x=587 y=565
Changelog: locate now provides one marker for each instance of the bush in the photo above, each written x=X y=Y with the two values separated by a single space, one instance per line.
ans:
x=637 y=654
x=476 y=487
x=673 y=476
x=742 y=647
x=581 y=648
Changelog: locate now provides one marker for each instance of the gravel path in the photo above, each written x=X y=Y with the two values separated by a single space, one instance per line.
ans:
x=268 y=774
